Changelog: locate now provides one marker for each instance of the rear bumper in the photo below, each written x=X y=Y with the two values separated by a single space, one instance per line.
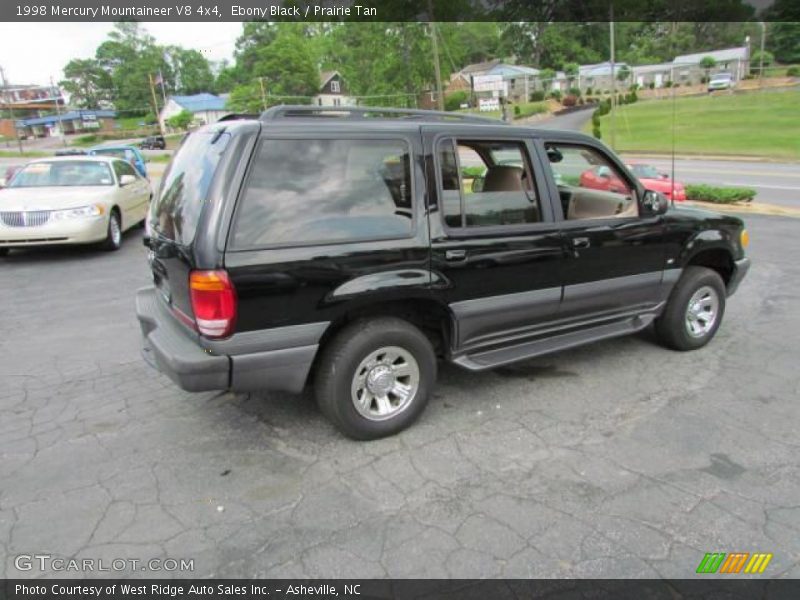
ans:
x=740 y=269
x=273 y=359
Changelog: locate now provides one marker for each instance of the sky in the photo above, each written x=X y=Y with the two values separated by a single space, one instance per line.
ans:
x=55 y=44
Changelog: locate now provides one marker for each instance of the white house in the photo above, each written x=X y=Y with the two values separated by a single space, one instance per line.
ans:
x=206 y=108
x=731 y=60
x=332 y=91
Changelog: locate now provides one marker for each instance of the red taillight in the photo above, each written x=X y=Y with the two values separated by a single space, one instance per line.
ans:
x=213 y=302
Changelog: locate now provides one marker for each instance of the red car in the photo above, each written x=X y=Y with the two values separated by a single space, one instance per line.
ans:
x=603 y=178
x=658 y=182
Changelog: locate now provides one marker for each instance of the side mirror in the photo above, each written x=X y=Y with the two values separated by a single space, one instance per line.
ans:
x=654 y=203
x=126 y=180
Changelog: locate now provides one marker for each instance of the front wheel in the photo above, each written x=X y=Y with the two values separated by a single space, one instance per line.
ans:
x=374 y=378
x=694 y=310
x=113 y=239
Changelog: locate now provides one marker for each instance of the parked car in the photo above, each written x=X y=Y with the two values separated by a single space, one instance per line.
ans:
x=316 y=246
x=72 y=200
x=130 y=154
x=153 y=142
x=720 y=81
x=70 y=152
x=650 y=178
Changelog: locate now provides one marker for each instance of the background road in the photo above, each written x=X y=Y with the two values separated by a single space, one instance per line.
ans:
x=619 y=459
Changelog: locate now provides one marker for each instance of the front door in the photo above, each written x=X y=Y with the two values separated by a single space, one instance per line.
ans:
x=614 y=258
x=494 y=243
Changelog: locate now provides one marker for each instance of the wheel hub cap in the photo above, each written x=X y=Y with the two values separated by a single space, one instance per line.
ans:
x=385 y=383
x=702 y=311
x=380 y=380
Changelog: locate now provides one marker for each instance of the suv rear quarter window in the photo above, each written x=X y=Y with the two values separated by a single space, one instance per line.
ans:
x=318 y=191
x=176 y=210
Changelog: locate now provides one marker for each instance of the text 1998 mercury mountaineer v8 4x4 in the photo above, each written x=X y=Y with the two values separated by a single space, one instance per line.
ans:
x=352 y=248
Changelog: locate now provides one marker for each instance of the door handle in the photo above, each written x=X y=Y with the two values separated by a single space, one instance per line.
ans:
x=581 y=242
x=455 y=254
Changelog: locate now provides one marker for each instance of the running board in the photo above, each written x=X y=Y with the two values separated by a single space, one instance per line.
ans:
x=488 y=359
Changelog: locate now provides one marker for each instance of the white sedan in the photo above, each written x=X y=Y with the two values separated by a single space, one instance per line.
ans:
x=72 y=200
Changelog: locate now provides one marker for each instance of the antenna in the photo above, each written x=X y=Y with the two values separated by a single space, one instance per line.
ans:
x=672 y=175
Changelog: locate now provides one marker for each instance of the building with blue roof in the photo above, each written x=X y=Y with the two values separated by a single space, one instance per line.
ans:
x=72 y=121
x=206 y=108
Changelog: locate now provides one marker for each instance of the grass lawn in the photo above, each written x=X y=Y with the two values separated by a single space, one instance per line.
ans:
x=752 y=124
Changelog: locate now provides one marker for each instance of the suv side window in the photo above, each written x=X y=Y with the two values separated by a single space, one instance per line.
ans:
x=486 y=183
x=306 y=191
x=589 y=185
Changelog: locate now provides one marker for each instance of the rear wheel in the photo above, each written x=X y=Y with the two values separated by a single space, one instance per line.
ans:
x=374 y=378
x=694 y=310
x=113 y=239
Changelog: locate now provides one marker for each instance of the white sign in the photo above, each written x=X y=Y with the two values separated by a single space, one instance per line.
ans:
x=488 y=104
x=488 y=83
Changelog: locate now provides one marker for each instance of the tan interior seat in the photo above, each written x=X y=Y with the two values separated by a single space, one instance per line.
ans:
x=592 y=204
x=503 y=178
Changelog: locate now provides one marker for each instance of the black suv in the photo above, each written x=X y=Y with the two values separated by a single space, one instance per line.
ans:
x=353 y=248
x=154 y=142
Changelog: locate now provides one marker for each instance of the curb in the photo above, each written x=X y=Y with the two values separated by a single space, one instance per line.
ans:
x=756 y=208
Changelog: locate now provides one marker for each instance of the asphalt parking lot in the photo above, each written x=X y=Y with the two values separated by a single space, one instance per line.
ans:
x=620 y=459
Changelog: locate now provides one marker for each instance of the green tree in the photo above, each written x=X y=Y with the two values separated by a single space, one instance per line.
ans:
x=571 y=71
x=783 y=40
x=707 y=63
x=191 y=72
x=181 y=121
x=623 y=73
x=87 y=83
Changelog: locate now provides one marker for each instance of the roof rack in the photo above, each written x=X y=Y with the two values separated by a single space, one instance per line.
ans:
x=370 y=112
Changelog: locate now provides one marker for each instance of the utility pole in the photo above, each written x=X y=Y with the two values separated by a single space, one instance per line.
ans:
x=11 y=109
x=761 y=56
x=58 y=112
x=163 y=92
x=263 y=93
x=613 y=83
x=155 y=103
x=437 y=69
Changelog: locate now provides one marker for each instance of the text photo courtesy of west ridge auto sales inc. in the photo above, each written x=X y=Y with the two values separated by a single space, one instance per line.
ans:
x=396 y=300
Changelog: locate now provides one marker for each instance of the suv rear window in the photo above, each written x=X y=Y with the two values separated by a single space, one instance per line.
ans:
x=325 y=191
x=176 y=210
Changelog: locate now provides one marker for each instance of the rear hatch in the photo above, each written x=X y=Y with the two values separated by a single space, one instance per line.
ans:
x=175 y=214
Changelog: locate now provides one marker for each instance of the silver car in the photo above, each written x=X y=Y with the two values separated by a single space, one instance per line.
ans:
x=72 y=200
x=720 y=81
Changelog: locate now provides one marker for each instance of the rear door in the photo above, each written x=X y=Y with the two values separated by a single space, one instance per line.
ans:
x=494 y=240
x=614 y=258
x=328 y=217
x=175 y=214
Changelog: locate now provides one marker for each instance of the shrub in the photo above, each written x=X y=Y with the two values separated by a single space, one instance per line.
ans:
x=556 y=95
x=596 y=132
x=537 y=96
x=532 y=108
x=652 y=85
x=574 y=91
x=569 y=100
x=668 y=84
x=85 y=139
x=793 y=71
x=455 y=100
x=719 y=195
x=596 y=119
x=588 y=91
x=517 y=111
x=472 y=172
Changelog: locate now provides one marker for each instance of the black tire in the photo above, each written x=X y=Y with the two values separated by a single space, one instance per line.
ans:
x=342 y=356
x=4 y=251
x=672 y=326
x=113 y=241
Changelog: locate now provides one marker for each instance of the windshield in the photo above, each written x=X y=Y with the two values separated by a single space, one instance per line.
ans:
x=63 y=173
x=721 y=77
x=646 y=171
